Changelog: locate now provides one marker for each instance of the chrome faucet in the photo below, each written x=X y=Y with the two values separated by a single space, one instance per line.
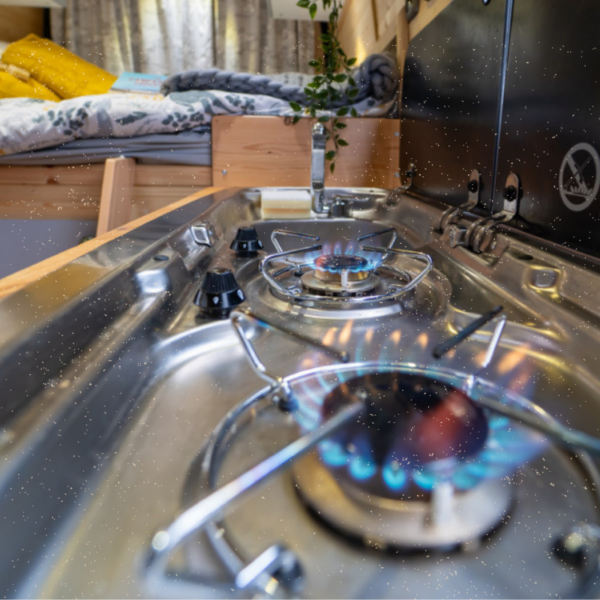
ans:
x=317 y=171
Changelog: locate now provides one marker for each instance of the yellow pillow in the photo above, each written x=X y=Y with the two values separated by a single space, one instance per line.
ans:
x=11 y=87
x=57 y=68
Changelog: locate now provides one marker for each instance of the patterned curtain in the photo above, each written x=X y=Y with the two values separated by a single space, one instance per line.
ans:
x=168 y=36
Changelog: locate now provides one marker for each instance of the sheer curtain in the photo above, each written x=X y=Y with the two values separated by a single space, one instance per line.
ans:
x=247 y=40
x=148 y=36
x=167 y=36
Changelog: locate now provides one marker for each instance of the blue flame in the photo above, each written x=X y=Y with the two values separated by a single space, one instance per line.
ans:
x=362 y=467
x=374 y=259
x=333 y=454
x=395 y=476
x=507 y=447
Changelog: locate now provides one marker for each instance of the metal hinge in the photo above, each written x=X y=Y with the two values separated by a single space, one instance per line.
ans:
x=453 y=214
x=478 y=236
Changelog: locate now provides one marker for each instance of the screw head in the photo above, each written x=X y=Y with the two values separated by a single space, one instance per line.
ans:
x=510 y=193
x=473 y=186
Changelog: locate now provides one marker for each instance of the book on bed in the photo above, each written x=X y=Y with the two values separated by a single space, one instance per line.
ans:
x=138 y=83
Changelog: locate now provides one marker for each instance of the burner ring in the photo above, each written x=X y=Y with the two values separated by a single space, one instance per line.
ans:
x=336 y=263
x=340 y=275
x=445 y=521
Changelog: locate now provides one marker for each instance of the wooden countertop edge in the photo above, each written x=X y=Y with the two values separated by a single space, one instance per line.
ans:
x=22 y=278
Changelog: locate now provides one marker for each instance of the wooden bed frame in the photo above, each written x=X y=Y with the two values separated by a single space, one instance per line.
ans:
x=246 y=151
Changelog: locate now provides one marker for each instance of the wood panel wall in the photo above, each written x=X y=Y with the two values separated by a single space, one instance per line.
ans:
x=271 y=151
x=18 y=21
x=369 y=26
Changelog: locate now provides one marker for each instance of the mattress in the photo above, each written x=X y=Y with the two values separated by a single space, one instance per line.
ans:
x=174 y=129
x=185 y=148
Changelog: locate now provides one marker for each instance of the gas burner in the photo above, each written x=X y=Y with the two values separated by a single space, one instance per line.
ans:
x=399 y=456
x=340 y=275
x=363 y=275
x=410 y=422
x=444 y=519
x=389 y=478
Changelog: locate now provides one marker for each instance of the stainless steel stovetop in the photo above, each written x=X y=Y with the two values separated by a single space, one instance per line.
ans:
x=140 y=404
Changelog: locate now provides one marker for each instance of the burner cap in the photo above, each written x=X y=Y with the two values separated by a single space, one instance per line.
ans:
x=410 y=421
x=336 y=263
x=340 y=275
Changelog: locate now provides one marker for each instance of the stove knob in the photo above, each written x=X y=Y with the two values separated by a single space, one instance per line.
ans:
x=219 y=294
x=246 y=243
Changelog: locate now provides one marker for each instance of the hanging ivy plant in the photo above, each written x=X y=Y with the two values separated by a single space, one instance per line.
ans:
x=333 y=83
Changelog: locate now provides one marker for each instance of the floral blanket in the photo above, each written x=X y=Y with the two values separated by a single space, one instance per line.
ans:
x=27 y=124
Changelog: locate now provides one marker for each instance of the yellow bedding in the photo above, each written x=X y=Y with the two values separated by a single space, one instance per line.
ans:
x=11 y=87
x=63 y=72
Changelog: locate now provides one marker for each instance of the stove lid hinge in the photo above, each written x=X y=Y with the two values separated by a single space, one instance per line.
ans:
x=453 y=214
x=479 y=236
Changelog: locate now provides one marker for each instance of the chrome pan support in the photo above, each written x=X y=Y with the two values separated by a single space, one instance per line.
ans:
x=275 y=571
x=299 y=295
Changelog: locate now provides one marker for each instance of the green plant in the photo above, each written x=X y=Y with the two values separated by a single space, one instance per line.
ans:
x=333 y=70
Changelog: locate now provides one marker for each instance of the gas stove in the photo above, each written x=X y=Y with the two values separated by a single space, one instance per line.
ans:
x=331 y=407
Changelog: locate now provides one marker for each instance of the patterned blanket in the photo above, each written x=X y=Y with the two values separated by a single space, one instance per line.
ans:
x=377 y=77
x=27 y=124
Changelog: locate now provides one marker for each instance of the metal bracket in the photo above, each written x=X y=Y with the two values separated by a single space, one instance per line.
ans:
x=477 y=237
x=204 y=234
x=452 y=214
x=410 y=175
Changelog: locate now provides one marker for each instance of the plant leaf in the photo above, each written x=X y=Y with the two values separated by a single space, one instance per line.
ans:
x=313 y=10
x=295 y=106
x=353 y=93
x=342 y=112
x=323 y=119
x=354 y=113
x=295 y=119
x=342 y=142
x=330 y=155
x=340 y=78
x=314 y=63
x=303 y=3
x=339 y=125
x=332 y=167
x=351 y=62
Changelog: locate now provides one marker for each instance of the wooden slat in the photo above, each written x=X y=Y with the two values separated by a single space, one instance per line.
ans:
x=270 y=151
x=147 y=199
x=61 y=175
x=386 y=16
x=18 y=280
x=358 y=29
x=78 y=202
x=427 y=12
x=173 y=175
x=368 y=26
x=117 y=194
x=162 y=175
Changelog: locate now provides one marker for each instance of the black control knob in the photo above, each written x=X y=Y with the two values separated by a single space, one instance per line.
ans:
x=219 y=294
x=246 y=243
